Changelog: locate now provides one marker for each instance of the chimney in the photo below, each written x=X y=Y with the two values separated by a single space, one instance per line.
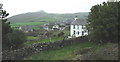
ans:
x=76 y=18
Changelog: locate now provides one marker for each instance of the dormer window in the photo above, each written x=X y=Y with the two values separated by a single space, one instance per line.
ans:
x=82 y=27
x=78 y=27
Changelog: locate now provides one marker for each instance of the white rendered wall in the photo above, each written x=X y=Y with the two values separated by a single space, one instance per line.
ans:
x=78 y=28
x=71 y=30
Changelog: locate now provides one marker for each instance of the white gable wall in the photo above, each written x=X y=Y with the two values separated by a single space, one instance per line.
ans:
x=55 y=26
x=78 y=28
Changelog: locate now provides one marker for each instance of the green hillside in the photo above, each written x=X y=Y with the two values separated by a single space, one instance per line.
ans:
x=41 y=17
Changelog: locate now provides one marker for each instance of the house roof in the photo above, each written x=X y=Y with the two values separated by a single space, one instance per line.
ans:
x=79 y=22
x=26 y=28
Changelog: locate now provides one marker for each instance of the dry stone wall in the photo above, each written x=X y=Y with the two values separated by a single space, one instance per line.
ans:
x=36 y=48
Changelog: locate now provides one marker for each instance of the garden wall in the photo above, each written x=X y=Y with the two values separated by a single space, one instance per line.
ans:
x=35 y=48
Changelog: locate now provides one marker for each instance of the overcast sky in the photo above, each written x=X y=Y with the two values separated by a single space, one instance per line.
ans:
x=50 y=6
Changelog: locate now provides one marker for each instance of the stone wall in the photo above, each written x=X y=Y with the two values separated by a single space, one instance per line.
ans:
x=36 y=48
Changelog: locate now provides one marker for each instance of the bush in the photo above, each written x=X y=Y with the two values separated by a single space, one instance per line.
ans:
x=48 y=34
x=31 y=34
x=17 y=38
x=60 y=34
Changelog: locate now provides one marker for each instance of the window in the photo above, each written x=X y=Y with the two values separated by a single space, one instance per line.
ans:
x=82 y=33
x=74 y=27
x=74 y=32
x=78 y=27
x=78 y=33
x=82 y=26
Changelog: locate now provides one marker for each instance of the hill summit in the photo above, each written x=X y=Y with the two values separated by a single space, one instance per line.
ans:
x=43 y=16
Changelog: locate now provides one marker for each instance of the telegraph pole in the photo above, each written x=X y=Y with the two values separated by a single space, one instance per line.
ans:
x=1 y=31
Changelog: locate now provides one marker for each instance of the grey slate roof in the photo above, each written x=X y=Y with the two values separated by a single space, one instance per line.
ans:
x=79 y=22
x=26 y=28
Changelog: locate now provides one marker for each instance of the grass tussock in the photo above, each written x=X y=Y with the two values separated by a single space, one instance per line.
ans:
x=107 y=52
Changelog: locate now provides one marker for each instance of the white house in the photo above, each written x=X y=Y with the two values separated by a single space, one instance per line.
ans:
x=46 y=28
x=77 y=27
x=55 y=26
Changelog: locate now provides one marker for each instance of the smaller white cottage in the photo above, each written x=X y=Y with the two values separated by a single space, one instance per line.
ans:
x=46 y=28
x=55 y=27
x=77 y=28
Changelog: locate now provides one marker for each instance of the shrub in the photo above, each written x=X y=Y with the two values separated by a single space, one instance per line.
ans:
x=17 y=38
x=60 y=34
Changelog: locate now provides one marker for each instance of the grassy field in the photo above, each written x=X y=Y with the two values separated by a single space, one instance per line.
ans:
x=44 y=40
x=51 y=39
x=31 y=38
x=37 y=22
x=26 y=23
x=61 y=53
x=66 y=32
x=72 y=52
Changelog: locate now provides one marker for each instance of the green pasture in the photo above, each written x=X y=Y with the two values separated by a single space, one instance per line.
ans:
x=61 y=53
x=26 y=23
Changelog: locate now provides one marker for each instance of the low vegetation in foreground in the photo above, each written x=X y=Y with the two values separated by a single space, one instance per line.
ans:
x=81 y=51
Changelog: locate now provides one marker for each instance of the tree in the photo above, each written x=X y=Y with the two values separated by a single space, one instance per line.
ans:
x=5 y=28
x=17 y=39
x=103 y=22
x=11 y=39
x=60 y=34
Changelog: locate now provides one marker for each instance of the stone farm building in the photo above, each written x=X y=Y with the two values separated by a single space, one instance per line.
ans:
x=26 y=28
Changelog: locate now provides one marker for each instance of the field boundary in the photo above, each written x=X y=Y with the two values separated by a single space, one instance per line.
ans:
x=38 y=47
